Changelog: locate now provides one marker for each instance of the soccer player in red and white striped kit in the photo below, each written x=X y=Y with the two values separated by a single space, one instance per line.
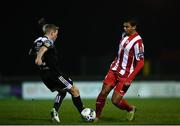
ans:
x=124 y=68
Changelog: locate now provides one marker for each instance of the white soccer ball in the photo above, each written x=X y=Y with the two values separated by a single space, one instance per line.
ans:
x=88 y=114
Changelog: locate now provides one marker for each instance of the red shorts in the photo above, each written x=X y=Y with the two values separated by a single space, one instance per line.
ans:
x=114 y=80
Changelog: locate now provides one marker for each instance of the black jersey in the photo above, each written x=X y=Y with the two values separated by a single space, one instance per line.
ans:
x=50 y=57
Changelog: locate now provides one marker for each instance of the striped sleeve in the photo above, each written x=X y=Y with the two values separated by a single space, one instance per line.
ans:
x=139 y=50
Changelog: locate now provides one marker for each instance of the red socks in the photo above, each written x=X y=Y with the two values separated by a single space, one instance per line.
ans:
x=100 y=101
x=123 y=104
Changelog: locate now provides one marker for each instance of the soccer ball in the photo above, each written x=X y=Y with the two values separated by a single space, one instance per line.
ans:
x=88 y=114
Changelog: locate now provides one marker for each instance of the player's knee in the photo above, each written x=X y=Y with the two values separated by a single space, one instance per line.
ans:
x=62 y=93
x=104 y=93
x=105 y=90
x=116 y=98
x=114 y=101
x=74 y=91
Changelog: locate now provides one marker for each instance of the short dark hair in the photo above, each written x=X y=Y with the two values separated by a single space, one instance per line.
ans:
x=131 y=20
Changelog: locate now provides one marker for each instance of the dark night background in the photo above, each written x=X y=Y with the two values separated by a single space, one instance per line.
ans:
x=89 y=36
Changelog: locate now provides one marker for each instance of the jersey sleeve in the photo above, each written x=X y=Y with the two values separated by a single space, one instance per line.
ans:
x=47 y=44
x=139 y=55
x=139 y=50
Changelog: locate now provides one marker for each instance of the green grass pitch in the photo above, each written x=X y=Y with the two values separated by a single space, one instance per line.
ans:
x=157 y=111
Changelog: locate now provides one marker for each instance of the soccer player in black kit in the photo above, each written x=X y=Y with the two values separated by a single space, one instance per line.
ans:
x=45 y=57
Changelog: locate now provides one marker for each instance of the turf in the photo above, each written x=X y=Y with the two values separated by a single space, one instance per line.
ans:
x=149 y=111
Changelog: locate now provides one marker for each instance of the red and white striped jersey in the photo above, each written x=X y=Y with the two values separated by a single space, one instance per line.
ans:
x=131 y=49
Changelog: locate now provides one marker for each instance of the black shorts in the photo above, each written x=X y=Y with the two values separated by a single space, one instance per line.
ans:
x=56 y=82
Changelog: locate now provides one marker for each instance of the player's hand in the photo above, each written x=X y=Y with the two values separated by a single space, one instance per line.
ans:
x=38 y=61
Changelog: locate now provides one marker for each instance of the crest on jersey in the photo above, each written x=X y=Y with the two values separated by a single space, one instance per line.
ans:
x=47 y=44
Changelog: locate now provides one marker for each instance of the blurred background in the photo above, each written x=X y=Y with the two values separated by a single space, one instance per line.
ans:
x=89 y=36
